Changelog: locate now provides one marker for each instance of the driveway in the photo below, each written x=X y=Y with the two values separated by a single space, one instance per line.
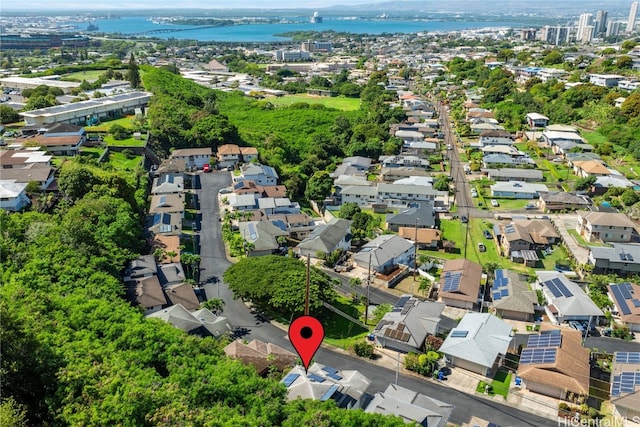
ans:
x=564 y=222
x=214 y=263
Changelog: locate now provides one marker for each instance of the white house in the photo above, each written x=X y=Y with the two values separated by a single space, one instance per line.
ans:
x=13 y=196
x=517 y=189
x=193 y=157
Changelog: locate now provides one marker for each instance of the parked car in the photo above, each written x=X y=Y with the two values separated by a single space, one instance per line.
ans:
x=464 y=219
x=206 y=168
x=578 y=326
x=530 y=206
x=487 y=234
x=482 y=247
x=494 y=203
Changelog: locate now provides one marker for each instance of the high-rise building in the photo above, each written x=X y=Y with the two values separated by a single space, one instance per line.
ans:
x=601 y=22
x=555 y=35
x=585 y=28
x=631 y=22
x=613 y=28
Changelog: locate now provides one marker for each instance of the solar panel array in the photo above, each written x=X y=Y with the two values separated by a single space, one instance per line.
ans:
x=452 y=281
x=544 y=340
x=459 y=334
x=398 y=333
x=400 y=304
x=290 y=379
x=628 y=357
x=500 y=283
x=315 y=378
x=626 y=382
x=332 y=390
x=253 y=234
x=332 y=373
x=622 y=293
x=536 y=356
x=558 y=288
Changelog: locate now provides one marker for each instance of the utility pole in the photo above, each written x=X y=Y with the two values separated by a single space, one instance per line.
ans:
x=415 y=256
x=366 y=307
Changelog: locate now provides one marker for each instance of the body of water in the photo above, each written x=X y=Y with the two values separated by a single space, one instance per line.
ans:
x=265 y=32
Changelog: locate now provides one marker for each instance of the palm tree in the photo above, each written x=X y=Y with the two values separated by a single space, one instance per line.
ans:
x=214 y=305
x=425 y=285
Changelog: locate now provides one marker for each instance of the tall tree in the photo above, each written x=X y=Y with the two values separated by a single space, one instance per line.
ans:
x=133 y=74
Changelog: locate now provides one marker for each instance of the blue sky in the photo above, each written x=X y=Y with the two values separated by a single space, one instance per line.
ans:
x=181 y=4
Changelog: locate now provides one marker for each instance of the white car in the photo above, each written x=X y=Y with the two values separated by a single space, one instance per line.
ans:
x=494 y=203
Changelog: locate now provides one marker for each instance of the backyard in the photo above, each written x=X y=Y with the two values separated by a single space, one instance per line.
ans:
x=337 y=102
x=499 y=385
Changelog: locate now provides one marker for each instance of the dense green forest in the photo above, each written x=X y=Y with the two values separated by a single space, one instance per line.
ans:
x=299 y=140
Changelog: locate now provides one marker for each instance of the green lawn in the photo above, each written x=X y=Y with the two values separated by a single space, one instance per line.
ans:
x=337 y=102
x=89 y=75
x=129 y=142
x=125 y=122
x=121 y=162
x=499 y=385
x=92 y=152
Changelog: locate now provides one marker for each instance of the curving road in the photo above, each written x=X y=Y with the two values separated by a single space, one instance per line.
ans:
x=214 y=263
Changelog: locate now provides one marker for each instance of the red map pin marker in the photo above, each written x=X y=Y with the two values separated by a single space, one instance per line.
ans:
x=306 y=334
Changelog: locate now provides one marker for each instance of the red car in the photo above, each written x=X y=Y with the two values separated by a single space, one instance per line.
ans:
x=206 y=168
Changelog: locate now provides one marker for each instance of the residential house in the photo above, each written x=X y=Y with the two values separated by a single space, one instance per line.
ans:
x=400 y=161
x=407 y=325
x=578 y=156
x=408 y=136
x=459 y=284
x=586 y=168
x=143 y=266
x=605 y=226
x=168 y=247
x=495 y=137
x=629 y=85
x=62 y=129
x=625 y=385
x=262 y=236
x=181 y=318
x=478 y=344
x=537 y=120
x=263 y=356
x=554 y=201
x=168 y=224
x=241 y=202
x=626 y=298
x=146 y=293
x=171 y=274
x=58 y=145
x=395 y=195
x=167 y=203
x=425 y=238
x=279 y=205
x=327 y=238
x=554 y=363
x=604 y=183
x=605 y=80
x=517 y=189
x=298 y=226
x=384 y=253
x=17 y=159
x=513 y=174
x=41 y=174
x=395 y=174
x=352 y=166
x=412 y=407
x=193 y=157
x=554 y=138
x=566 y=301
x=217 y=326
x=620 y=258
x=201 y=322
x=427 y=181
x=509 y=150
x=248 y=154
x=183 y=294
x=260 y=174
x=228 y=155
x=498 y=159
x=345 y=387
x=420 y=216
x=542 y=232
x=13 y=195
x=515 y=238
x=171 y=167
x=168 y=184
x=511 y=297
x=479 y=127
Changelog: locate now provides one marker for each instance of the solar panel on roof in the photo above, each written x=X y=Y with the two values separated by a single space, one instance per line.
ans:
x=546 y=340
x=562 y=288
x=315 y=378
x=327 y=395
x=452 y=282
x=629 y=287
x=496 y=296
x=290 y=379
x=552 y=288
x=334 y=376
x=252 y=231
x=504 y=292
x=330 y=370
x=459 y=334
x=531 y=356
x=620 y=300
x=628 y=357
x=625 y=291
x=615 y=386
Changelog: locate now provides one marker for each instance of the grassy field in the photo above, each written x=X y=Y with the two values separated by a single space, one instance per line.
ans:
x=121 y=162
x=89 y=75
x=594 y=138
x=129 y=142
x=125 y=122
x=337 y=102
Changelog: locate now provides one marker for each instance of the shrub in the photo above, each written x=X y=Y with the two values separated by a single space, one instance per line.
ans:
x=363 y=349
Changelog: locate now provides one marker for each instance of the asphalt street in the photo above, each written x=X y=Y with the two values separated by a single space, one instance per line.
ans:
x=214 y=263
